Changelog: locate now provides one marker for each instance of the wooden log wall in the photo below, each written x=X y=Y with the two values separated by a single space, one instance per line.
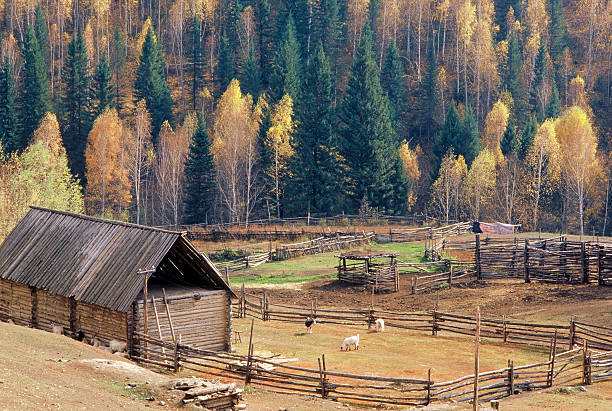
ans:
x=15 y=302
x=52 y=310
x=201 y=323
x=103 y=323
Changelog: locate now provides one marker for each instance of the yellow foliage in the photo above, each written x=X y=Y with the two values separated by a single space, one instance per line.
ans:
x=410 y=161
x=48 y=134
x=480 y=183
x=447 y=188
x=495 y=126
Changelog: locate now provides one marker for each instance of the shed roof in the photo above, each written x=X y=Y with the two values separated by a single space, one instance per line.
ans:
x=96 y=260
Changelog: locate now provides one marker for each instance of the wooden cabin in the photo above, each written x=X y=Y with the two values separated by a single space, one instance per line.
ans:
x=90 y=276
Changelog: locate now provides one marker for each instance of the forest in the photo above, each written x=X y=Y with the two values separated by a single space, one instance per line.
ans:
x=170 y=112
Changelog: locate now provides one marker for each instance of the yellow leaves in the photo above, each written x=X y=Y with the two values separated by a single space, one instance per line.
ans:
x=577 y=94
x=466 y=21
x=480 y=182
x=410 y=162
x=495 y=126
x=576 y=138
x=282 y=126
x=447 y=187
x=108 y=185
x=543 y=158
x=142 y=36
x=89 y=42
x=48 y=134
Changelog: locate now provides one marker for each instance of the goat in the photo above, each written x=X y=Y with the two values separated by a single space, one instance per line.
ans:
x=79 y=335
x=380 y=325
x=309 y=323
x=58 y=329
x=346 y=344
x=117 y=346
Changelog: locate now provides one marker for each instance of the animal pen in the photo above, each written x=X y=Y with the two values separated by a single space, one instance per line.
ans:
x=366 y=268
x=90 y=276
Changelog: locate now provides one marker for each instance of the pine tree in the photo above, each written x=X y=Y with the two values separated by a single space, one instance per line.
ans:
x=118 y=62
x=9 y=135
x=529 y=132
x=225 y=65
x=40 y=29
x=197 y=62
x=316 y=183
x=540 y=77
x=265 y=24
x=199 y=177
x=103 y=87
x=251 y=78
x=512 y=80
x=373 y=15
x=447 y=138
x=468 y=143
x=35 y=98
x=429 y=102
x=151 y=83
x=553 y=110
x=369 y=144
x=285 y=76
x=330 y=29
x=394 y=85
x=558 y=37
x=76 y=103
x=510 y=143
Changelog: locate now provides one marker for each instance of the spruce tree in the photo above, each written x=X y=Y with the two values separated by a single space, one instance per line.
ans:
x=553 y=110
x=316 y=183
x=540 y=77
x=429 y=103
x=265 y=24
x=151 y=83
x=512 y=79
x=369 y=144
x=330 y=29
x=77 y=113
x=468 y=143
x=510 y=142
x=394 y=85
x=558 y=37
x=529 y=132
x=225 y=65
x=103 y=87
x=448 y=136
x=9 y=133
x=373 y=15
x=285 y=76
x=40 y=29
x=251 y=78
x=118 y=62
x=199 y=177
x=35 y=97
x=197 y=62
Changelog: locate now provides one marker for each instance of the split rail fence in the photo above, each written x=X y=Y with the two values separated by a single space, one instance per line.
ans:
x=583 y=361
x=554 y=260
x=429 y=233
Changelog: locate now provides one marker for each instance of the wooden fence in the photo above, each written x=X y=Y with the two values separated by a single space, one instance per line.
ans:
x=575 y=365
x=425 y=233
x=555 y=260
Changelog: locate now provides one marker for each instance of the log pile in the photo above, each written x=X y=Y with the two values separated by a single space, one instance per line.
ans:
x=211 y=396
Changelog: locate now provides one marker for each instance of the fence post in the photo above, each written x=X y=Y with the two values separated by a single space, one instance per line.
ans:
x=527 y=278
x=551 y=357
x=476 y=359
x=478 y=268
x=586 y=364
x=450 y=276
x=585 y=263
x=572 y=334
x=434 y=325
x=176 y=356
x=599 y=264
x=505 y=329
x=428 y=387
x=511 y=376
x=413 y=291
x=242 y=301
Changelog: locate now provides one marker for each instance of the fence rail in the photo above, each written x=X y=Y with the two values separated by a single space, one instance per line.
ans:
x=424 y=233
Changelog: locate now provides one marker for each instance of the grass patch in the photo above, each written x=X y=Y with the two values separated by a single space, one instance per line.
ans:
x=138 y=392
x=277 y=279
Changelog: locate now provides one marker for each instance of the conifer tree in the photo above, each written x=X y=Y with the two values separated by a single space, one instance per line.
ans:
x=103 y=87
x=429 y=103
x=225 y=65
x=199 y=177
x=553 y=110
x=330 y=29
x=394 y=85
x=369 y=144
x=35 y=97
x=118 y=62
x=529 y=132
x=76 y=104
x=558 y=36
x=468 y=143
x=251 y=78
x=9 y=135
x=512 y=78
x=264 y=24
x=539 y=80
x=447 y=138
x=40 y=29
x=151 y=83
x=510 y=143
x=373 y=15
x=285 y=76
x=316 y=182
x=197 y=62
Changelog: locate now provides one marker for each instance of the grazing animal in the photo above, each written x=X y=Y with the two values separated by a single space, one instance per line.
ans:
x=346 y=344
x=58 y=329
x=117 y=346
x=380 y=325
x=80 y=335
x=96 y=342
x=309 y=323
x=11 y=322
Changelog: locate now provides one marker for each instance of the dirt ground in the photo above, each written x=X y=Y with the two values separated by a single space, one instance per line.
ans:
x=497 y=297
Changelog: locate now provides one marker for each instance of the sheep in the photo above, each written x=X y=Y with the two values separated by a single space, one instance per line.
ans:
x=309 y=323
x=96 y=342
x=346 y=344
x=58 y=329
x=380 y=325
x=117 y=346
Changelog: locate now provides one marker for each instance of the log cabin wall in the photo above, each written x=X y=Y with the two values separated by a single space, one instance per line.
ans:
x=15 y=302
x=201 y=323
x=104 y=323
x=51 y=310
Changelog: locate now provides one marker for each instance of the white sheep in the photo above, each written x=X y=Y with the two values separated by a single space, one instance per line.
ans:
x=380 y=325
x=117 y=346
x=346 y=344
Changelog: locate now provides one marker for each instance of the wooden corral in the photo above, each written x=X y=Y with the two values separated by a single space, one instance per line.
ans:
x=367 y=268
x=90 y=276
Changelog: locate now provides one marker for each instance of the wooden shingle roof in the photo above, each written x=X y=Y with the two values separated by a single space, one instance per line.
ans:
x=96 y=260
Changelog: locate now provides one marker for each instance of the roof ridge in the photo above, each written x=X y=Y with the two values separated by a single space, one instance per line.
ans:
x=106 y=221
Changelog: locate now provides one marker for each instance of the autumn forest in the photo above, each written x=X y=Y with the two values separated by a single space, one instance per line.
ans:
x=170 y=112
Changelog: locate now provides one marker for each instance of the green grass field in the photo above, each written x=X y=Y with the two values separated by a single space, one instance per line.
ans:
x=317 y=266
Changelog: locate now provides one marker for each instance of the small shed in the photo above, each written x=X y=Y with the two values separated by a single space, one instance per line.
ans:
x=369 y=268
x=90 y=275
